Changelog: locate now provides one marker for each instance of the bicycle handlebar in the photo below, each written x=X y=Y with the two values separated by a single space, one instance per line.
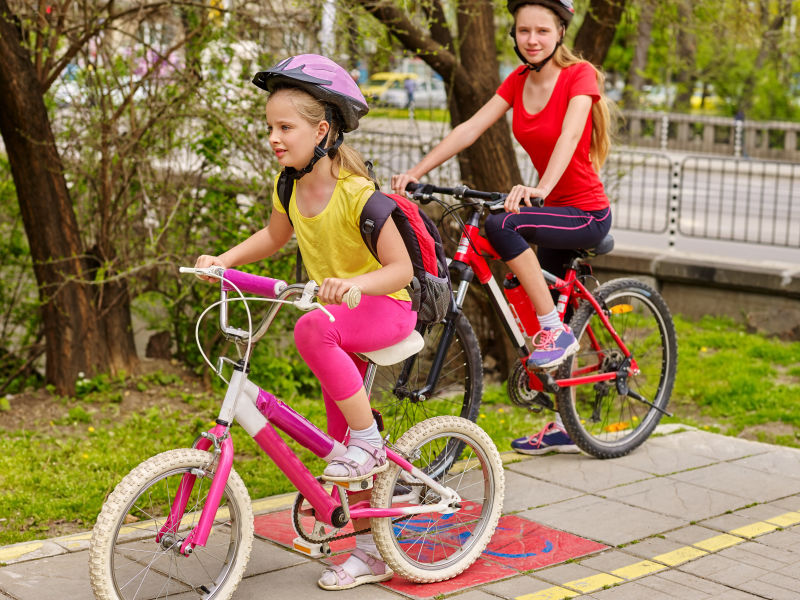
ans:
x=231 y=279
x=423 y=193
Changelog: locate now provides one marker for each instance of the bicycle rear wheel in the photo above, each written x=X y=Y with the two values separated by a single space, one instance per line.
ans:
x=604 y=419
x=125 y=560
x=396 y=389
x=438 y=546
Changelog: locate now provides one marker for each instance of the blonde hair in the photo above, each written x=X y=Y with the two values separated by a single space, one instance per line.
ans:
x=604 y=114
x=312 y=111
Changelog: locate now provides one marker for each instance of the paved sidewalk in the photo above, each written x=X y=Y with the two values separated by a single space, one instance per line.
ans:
x=690 y=515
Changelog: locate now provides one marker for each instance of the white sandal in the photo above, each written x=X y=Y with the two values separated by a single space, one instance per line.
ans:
x=340 y=579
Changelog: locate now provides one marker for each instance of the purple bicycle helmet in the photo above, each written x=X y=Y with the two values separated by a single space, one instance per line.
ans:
x=323 y=79
x=563 y=8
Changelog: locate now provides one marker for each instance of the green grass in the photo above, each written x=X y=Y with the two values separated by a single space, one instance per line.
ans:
x=54 y=480
x=421 y=114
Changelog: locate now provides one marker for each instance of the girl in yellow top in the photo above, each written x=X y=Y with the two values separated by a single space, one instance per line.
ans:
x=312 y=102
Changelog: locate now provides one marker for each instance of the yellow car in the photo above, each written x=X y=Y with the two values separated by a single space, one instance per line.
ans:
x=379 y=83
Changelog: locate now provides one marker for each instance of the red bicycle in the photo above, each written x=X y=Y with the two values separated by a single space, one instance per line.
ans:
x=611 y=394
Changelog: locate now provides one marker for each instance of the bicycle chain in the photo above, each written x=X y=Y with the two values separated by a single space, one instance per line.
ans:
x=302 y=533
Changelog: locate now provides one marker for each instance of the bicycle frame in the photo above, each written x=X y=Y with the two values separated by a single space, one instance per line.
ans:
x=260 y=413
x=470 y=260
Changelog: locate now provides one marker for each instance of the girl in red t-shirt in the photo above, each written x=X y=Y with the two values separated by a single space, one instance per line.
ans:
x=561 y=119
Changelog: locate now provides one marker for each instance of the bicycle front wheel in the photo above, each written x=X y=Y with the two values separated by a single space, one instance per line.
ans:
x=440 y=545
x=605 y=419
x=126 y=561
x=397 y=389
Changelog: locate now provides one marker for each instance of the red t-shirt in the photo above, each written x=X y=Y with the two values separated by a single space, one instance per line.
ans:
x=580 y=185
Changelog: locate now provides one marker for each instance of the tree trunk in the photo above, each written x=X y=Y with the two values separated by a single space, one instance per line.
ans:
x=469 y=67
x=633 y=88
x=74 y=329
x=686 y=42
x=597 y=31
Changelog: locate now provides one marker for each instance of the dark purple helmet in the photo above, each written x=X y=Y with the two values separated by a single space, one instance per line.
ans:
x=563 y=8
x=323 y=79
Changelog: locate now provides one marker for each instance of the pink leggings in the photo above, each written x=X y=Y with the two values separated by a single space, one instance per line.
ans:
x=327 y=348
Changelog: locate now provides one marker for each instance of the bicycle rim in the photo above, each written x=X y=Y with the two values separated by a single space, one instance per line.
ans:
x=127 y=563
x=601 y=420
x=457 y=392
x=437 y=546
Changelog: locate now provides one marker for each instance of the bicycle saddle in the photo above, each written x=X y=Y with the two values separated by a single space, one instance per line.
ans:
x=605 y=246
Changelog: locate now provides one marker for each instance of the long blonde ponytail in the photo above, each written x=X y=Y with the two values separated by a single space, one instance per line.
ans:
x=604 y=114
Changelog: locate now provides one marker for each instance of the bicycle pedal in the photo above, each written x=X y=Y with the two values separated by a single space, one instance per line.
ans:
x=311 y=549
x=357 y=486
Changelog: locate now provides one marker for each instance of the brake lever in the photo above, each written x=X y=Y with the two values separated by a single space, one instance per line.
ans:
x=305 y=303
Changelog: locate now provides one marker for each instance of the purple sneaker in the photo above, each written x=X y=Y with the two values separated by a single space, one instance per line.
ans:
x=551 y=347
x=553 y=438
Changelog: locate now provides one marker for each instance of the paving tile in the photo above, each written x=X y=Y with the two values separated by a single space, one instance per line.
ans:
x=732 y=522
x=516 y=587
x=767 y=590
x=757 y=555
x=749 y=484
x=722 y=570
x=605 y=521
x=652 y=546
x=778 y=461
x=712 y=445
x=300 y=581
x=52 y=578
x=524 y=492
x=610 y=561
x=789 y=503
x=735 y=595
x=785 y=540
x=691 y=584
x=561 y=574
x=633 y=590
x=770 y=512
x=267 y=556
x=692 y=534
x=474 y=595
x=658 y=457
x=578 y=471
x=675 y=498
x=29 y=551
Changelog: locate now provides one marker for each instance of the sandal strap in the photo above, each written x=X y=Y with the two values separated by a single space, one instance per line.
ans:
x=342 y=576
x=379 y=454
x=376 y=566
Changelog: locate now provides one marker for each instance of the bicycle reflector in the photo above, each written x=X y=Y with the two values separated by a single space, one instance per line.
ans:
x=620 y=309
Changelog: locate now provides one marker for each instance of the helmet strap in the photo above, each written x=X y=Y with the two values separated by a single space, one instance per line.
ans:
x=319 y=152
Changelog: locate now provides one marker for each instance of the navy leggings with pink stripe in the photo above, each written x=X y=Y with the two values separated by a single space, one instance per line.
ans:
x=556 y=231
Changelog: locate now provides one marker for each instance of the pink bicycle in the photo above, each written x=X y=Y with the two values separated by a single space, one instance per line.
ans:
x=181 y=523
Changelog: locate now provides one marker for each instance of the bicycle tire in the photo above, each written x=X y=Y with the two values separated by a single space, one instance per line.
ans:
x=600 y=420
x=434 y=547
x=126 y=562
x=458 y=391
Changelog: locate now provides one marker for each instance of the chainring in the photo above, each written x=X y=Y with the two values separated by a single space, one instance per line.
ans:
x=521 y=394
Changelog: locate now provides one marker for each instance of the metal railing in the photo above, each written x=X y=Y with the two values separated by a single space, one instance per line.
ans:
x=705 y=197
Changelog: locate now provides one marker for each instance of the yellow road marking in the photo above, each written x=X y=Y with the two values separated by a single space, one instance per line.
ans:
x=679 y=556
x=786 y=519
x=718 y=542
x=552 y=593
x=17 y=550
x=638 y=569
x=593 y=583
x=754 y=529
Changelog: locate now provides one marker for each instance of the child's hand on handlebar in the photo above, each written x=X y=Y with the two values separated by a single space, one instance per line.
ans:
x=204 y=261
x=520 y=194
x=399 y=182
x=333 y=289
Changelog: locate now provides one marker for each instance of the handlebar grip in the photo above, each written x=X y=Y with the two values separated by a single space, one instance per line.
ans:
x=352 y=297
x=253 y=284
x=538 y=202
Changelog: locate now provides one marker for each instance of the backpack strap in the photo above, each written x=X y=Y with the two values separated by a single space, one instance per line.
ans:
x=285 y=189
x=378 y=208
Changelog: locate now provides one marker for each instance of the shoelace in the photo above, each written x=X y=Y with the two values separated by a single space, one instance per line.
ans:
x=548 y=339
x=536 y=438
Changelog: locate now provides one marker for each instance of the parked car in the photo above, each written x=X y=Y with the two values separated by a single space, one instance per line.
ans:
x=429 y=93
x=379 y=83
